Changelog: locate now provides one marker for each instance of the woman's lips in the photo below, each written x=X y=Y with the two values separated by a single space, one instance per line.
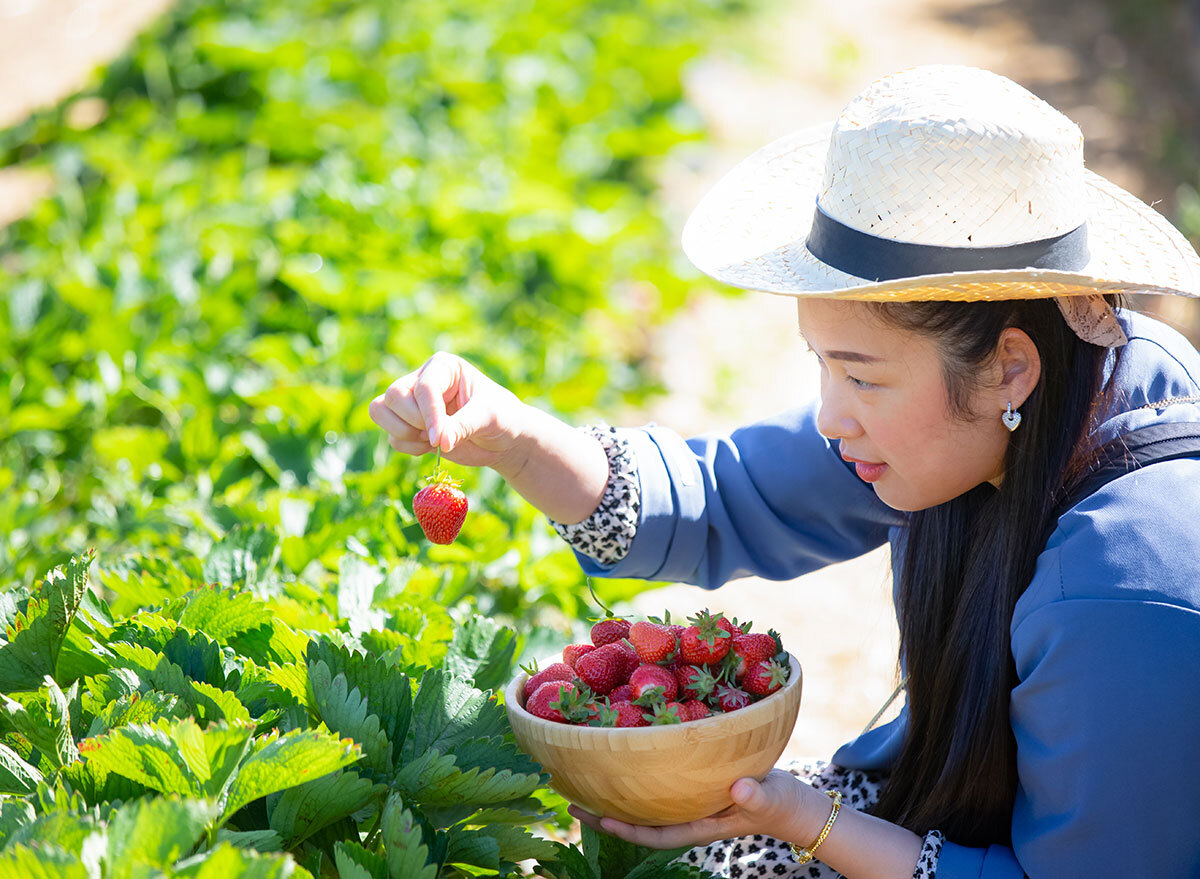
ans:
x=867 y=471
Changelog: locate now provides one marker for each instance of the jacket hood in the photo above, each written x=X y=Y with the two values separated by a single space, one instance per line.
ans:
x=1156 y=378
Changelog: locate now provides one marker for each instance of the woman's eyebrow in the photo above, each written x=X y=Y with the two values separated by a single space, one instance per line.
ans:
x=853 y=357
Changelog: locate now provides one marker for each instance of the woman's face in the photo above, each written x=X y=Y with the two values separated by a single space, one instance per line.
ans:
x=883 y=395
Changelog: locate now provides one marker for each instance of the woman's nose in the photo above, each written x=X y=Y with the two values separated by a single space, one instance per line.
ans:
x=833 y=422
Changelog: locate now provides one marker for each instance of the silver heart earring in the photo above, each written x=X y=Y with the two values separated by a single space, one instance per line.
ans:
x=1011 y=419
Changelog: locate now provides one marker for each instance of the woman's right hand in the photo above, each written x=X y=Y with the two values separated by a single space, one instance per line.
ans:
x=447 y=402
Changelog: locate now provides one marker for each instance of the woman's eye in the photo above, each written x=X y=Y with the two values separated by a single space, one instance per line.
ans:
x=860 y=383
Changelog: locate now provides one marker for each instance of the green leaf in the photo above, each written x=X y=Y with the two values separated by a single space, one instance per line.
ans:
x=355 y=862
x=472 y=848
x=301 y=811
x=13 y=814
x=614 y=858
x=285 y=761
x=35 y=636
x=482 y=651
x=226 y=861
x=144 y=707
x=345 y=713
x=221 y=613
x=155 y=832
x=244 y=557
x=59 y=829
x=22 y=862
x=518 y=844
x=435 y=779
x=16 y=776
x=387 y=690
x=46 y=724
x=357 y=580
x=447 y=711
x=403 y=843
x=171 y=758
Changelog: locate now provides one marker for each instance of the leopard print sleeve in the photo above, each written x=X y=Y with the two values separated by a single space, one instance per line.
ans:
x=931 y=849
x=608 y=532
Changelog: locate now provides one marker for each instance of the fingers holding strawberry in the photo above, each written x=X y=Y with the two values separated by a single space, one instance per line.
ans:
x=450 y=405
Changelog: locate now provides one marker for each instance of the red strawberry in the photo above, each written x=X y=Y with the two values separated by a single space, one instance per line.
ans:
x=440 y=508
x=629 y=714
x=601 y=668
x=667 y=713
x=695 y=682
x=623 y=693
x=550 y=699
x=731 y=698
x=750 y=649
x=572 y=652
x=558 y=671
x=629 y=655
x=653 y=642
x=764 y=678
x=608 y=630
x=652 y=683
x=705 y=641
x=695 y=710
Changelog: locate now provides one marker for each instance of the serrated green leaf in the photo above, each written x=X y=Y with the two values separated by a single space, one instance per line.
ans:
x=472 y=848
x=34 y=637
x=448 y=711
x=435 y=779
x=355 y=862
x=259 y=840
x=13 y=814
x=345 y=713
x=144 y=707
x=482 y=652
x=518 y=844
x=16 y=776
x=301 y=811
x=285 y=761
x=403 y=843
x=155 y=832
x=387 y=690
x=243 y=557
x=226 y=861
x=171 y=758
x=356 y=583
x=222 y=612
x=568 y=863
x=59 y=829
x=220 y=704
x=23 y=862
x=44 y=721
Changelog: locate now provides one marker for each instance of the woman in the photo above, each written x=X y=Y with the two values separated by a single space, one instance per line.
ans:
x=1032 y=455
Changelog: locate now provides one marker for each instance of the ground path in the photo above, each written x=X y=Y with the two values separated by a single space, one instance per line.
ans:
x=731 y=360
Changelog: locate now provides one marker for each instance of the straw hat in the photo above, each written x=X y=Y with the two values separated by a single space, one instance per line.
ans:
x=939 y=182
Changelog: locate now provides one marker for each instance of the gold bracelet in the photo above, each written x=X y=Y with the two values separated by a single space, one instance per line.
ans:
x=804 y=855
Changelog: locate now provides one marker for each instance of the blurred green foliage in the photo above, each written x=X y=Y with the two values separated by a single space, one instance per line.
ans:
x=286 y=206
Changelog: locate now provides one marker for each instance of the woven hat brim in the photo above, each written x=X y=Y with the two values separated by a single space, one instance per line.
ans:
x=750 y=229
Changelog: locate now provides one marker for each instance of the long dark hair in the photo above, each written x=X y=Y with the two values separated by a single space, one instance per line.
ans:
x=967 y=561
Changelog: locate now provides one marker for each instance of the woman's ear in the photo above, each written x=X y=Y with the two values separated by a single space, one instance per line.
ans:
x=1018 y=364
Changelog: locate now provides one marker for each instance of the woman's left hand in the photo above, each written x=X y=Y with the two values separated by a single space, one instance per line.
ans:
x=775 y=806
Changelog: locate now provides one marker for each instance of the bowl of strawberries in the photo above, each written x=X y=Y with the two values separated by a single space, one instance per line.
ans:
x=652 y=722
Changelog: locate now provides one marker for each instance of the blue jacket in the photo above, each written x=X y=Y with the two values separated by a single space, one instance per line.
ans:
x=1106 y=638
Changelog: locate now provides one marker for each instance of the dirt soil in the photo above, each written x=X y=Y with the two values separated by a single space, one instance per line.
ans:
x=729 y=360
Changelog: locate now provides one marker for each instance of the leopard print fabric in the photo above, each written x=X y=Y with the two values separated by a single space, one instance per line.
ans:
x=760 y=855
x=607 y=533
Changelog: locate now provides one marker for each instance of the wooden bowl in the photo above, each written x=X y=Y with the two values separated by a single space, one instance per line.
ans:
x=660 y=774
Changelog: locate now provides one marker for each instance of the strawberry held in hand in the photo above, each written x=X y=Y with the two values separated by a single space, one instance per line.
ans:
x=440 y=508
